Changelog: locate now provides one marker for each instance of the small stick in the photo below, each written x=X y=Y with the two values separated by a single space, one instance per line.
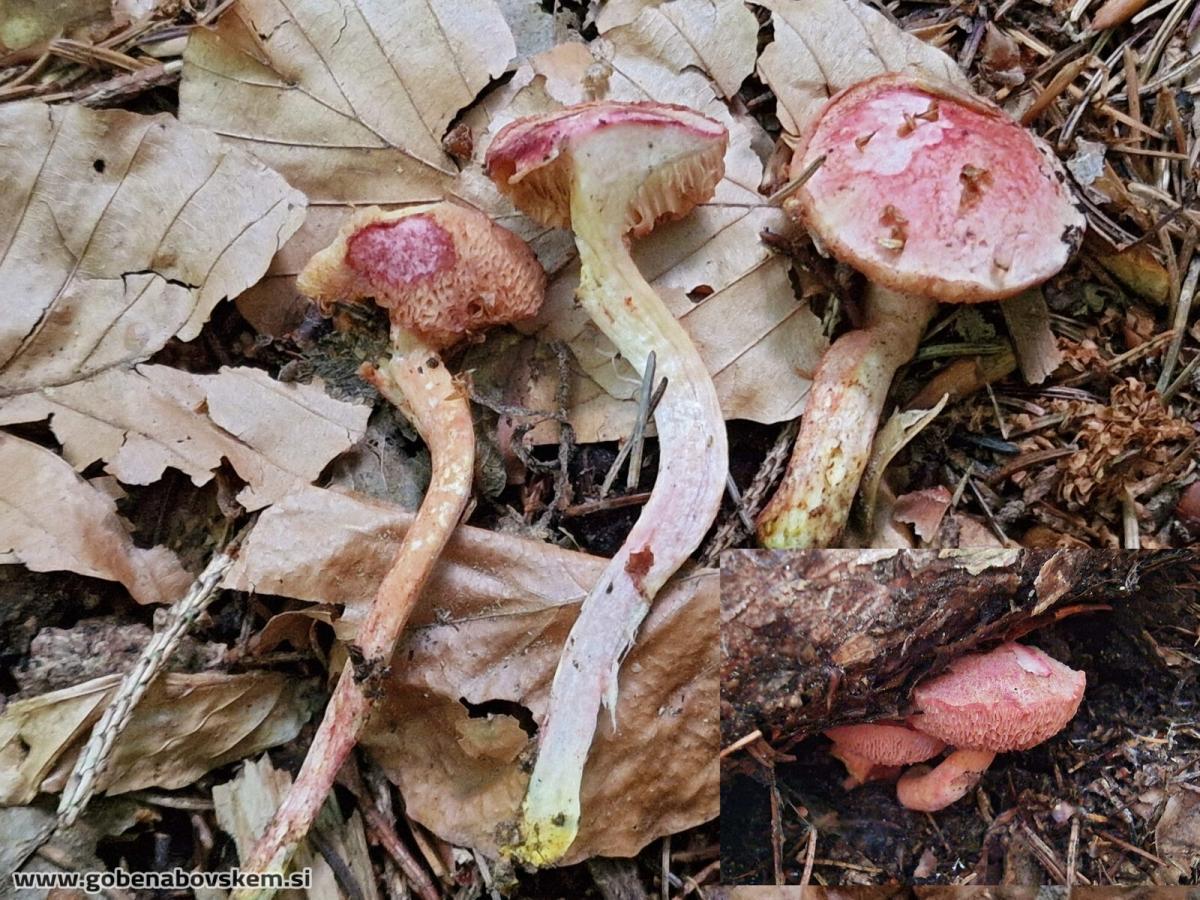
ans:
x=638 y=441
x=96 y=755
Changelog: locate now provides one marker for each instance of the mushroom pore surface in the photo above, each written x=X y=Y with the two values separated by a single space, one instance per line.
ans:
x=442 y=271
x=1010 y=698
x=936 y=193
x=886 y=743
x=674 y=155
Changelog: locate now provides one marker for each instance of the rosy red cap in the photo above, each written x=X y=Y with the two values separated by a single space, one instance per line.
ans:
x=933 y=192
x=1011 y=698
x=442 y=271
x=532 y=159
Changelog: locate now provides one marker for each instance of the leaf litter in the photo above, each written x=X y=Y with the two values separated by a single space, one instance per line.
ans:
x=1007 y=458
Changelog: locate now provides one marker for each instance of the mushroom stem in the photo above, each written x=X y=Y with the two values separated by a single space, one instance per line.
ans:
x=812 y=504
x=930 y=790
x=682 y=505
x=416 y=381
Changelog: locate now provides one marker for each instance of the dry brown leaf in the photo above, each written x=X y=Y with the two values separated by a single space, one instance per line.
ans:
x=822 y=46
x=348 y=100
x=490 y=626
x=83 y=535
x=122 y=232
x=184 y=726
x=719 y=37
x=244 y=805
x=759 y=342
x=923 y=510
x=275 y=435
x=1028 y=321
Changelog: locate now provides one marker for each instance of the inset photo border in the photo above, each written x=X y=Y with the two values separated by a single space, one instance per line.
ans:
x=960 y=717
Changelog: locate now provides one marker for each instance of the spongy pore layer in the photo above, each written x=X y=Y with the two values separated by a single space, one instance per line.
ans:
x=672 y=157
x=442 y=271
x=1011 y=698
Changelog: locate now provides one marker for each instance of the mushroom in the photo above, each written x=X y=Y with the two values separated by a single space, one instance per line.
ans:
x=876 y=751
x=936 y=196
x=608 y=170
x=443 y=272
x=1011 y=698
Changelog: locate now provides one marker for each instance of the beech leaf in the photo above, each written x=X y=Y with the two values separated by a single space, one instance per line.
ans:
x=183 y=726
x=823 y=46
x=139 y=422
x=490 y=627
x=348 y=99
x=121 y=232
x=83 y=535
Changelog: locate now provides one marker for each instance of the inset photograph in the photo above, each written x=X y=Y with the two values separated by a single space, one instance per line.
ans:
x=1023 y=718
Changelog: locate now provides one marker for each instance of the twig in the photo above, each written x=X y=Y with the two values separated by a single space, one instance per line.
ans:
x=744 y=741
x=97 y=753
x=1183 y=308
x=809 y=858
x=638 y=442
x=645 y=412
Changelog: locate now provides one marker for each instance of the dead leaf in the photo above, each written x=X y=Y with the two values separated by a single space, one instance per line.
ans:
x=1177 y=836
x=125 y=231
x=1028 y=321
x=275 y=435
x=923 y=510
x=184 y=726
x=245 y=805
x=902 y=427
x=719 y=37
x=84 y=534
x=1139 y=270
x=490 y=627
x=759 y=342
x=823 y=46
x=26 y=24
x=348 y=100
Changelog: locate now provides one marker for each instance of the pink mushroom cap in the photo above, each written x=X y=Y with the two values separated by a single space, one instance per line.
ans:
x=532 y=159
x=934 y=192
x=1010 y=698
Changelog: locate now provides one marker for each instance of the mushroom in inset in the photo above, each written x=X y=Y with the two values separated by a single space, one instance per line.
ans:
x=875 y=751
x=443 y=272
x=936 y=196
x=1011 y=698
x=609 y=170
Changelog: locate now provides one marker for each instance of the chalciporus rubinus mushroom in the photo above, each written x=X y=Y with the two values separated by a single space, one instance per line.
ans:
x=1010 y=698
x=936 y=196
x=876 y=750
x=608 y=170
x=443 y=272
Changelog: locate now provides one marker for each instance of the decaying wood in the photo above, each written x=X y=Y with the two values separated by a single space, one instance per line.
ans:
x=824 y=637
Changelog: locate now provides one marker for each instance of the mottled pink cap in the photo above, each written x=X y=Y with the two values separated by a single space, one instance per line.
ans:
x=1011 y=698
x=886 y=743
x=934 y=192
x=442 y=271
x=675 y=153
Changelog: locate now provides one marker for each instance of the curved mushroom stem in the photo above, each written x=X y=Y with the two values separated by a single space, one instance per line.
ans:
x=415 y=380
x=683 y=503
x=928 y=791
x=812 y=503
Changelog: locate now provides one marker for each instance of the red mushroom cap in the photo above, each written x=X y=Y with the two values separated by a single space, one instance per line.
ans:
x=1011 y=698
x=675 y=154
x=442 y=271
x=886 y=743
x=933 y=192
